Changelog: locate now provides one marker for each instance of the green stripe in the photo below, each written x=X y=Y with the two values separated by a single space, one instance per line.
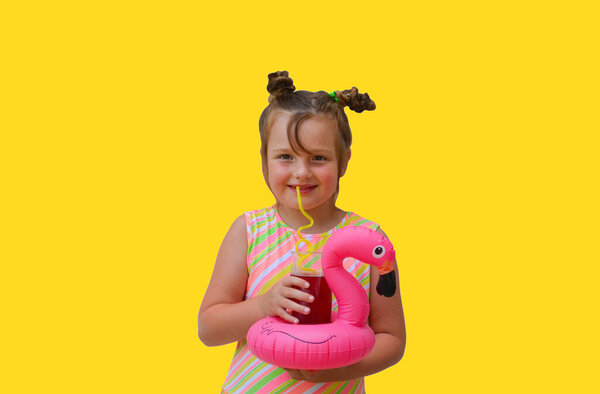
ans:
x=267 y=216
x=268 y=249
x=239 y=347
x=334 y=386
x=275 y=243
x=353 y=389
x=343 y=386
x=284 y=386
x=250 y=373
x=254 y=226
x=241 y=369
x=263 y=382
x=351 y=220
x=268 y=232
x=257 y=223
x=365 y=282
x=256 y=241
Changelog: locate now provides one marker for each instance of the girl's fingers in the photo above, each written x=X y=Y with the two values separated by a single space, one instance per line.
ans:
x=289 y=304
x=287 y=317
x=298 y=295
x=294 y=281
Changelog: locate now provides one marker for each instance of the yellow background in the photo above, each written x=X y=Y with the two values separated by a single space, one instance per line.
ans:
x=129 y=143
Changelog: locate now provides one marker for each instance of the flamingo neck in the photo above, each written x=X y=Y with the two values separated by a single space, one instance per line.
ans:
x=353 y=303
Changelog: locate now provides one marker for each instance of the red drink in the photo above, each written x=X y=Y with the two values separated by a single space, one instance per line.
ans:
x=320 y=308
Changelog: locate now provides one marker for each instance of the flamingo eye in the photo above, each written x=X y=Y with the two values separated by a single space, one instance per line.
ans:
x=378 y=251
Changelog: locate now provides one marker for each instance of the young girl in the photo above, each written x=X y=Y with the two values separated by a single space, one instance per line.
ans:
x=305 y=139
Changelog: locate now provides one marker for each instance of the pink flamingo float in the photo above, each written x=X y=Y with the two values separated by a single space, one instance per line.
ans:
x=347 y=339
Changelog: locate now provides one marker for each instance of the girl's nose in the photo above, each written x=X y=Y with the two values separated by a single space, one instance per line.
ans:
x=301 y=169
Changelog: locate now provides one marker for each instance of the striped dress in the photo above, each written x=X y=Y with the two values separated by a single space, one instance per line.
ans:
x=270 y=243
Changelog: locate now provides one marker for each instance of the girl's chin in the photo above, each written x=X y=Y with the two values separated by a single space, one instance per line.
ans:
x=307 y=204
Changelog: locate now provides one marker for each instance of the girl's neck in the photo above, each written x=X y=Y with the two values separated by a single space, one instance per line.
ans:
x=326 y=217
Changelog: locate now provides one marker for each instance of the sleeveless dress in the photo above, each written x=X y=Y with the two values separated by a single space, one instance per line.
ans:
x=270 y=243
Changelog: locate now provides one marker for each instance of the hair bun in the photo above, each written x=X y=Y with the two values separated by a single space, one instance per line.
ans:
x=356 y=101
x=279 y=83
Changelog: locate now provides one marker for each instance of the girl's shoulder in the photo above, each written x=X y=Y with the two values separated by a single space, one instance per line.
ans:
x=262 y=215
x=354 y=219
x=263 y=221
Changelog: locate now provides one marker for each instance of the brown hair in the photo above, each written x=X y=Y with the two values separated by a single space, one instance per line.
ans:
x=302 y=105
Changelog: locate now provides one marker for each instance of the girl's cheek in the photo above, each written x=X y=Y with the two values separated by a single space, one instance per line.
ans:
x=329 y=174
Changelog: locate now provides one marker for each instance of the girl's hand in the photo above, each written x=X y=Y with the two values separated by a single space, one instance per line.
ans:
x=318 y=376
x=278 y=300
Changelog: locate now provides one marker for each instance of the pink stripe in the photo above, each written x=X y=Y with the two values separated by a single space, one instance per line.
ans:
x=232 y=372
x=350 y=385
x=251 y=219
x=260 y=233
x=258 y=248
x=269 y=261
x=325 y=387
x=241 y=358
x=268 y=371
x=273 y=255
x=271 y=239
x=241 y=376
x=301 y=388
x=230 y=382
x=269 y=387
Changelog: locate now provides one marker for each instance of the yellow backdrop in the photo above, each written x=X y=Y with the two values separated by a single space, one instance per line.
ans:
x=129 y=143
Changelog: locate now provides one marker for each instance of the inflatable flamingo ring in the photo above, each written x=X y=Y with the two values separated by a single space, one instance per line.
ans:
x=347 y=339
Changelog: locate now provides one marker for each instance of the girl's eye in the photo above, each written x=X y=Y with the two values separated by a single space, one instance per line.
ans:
x=285 y=156
x=320 y=158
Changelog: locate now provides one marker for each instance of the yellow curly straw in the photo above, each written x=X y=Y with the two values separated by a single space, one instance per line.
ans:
x=303 y=256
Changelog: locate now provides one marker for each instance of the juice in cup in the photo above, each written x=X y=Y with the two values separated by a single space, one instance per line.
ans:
x=320 y=308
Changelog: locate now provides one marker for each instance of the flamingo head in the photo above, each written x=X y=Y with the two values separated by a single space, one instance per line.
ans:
x=384 y=256
x=370 y=247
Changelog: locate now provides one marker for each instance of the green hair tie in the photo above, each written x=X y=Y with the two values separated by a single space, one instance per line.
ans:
x=332 y=94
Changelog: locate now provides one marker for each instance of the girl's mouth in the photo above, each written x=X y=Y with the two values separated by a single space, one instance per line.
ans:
x=304 y=189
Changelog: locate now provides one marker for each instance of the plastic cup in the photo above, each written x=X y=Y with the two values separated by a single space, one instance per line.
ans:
x=320 y=308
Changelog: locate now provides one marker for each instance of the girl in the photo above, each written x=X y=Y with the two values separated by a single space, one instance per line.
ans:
x=305 y=142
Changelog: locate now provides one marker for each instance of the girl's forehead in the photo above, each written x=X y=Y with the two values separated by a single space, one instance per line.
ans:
x=316 y=132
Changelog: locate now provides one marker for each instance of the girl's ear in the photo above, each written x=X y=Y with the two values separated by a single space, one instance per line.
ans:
x=345 y=163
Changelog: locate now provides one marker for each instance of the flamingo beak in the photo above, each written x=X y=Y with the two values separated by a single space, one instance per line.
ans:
x=386 y=285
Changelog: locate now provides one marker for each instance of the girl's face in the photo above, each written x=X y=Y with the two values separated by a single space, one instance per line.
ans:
x=316 y=173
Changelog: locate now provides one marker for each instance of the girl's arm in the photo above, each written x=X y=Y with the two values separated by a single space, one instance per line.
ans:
x=225 y=316
x=386 y=318
x=387 y=321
